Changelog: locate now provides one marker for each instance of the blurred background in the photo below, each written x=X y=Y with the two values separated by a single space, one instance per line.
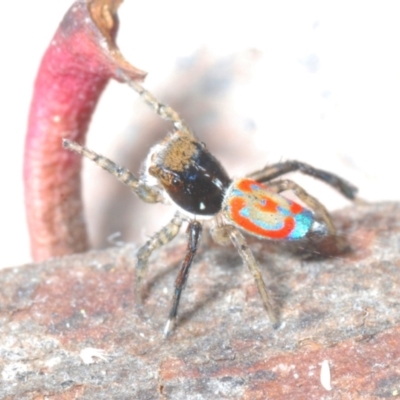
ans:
x=259 y=82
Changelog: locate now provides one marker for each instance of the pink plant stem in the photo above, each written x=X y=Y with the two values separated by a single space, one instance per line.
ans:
x=75 y=69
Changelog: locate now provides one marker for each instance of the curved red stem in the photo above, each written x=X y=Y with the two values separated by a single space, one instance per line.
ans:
x=75 y=69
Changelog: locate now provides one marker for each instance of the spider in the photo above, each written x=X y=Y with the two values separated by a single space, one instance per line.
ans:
x=181 y=171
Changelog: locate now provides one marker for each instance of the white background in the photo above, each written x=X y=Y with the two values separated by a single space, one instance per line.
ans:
x=325 y=88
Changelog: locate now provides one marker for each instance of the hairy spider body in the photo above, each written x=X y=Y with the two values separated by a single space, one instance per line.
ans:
x=182 y=172
x=190 y=175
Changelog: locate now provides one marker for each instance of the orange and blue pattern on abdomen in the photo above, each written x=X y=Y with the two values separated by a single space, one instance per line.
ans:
x=259 y=211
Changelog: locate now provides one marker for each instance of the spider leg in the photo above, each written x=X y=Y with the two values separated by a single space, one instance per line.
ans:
x=244 y=251
x=165 y=112
x=161 y=238
x=194 y=230
x=319 y=210
x=145 y=193
x=273 y=171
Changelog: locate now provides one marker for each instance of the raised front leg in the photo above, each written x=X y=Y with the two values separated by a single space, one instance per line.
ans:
x=275 y=170
x=145 y=193
x=165 y=112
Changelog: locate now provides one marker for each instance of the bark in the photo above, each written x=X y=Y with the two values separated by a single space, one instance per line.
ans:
x=342 y=309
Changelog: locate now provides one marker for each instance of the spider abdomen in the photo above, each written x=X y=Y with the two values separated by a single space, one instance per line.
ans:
x=259 y=211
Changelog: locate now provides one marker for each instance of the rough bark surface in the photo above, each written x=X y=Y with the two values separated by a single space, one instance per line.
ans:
x=70 y=327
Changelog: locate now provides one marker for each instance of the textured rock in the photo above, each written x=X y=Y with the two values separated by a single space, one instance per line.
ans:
x=70 y=327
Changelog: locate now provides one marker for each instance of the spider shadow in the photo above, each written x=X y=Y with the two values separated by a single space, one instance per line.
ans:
x=226 y=264
x=282 y=264
x=204 y=295
x=221 y=271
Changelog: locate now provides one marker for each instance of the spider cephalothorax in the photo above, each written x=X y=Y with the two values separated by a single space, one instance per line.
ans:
x=191 y=176
x=181 y=171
